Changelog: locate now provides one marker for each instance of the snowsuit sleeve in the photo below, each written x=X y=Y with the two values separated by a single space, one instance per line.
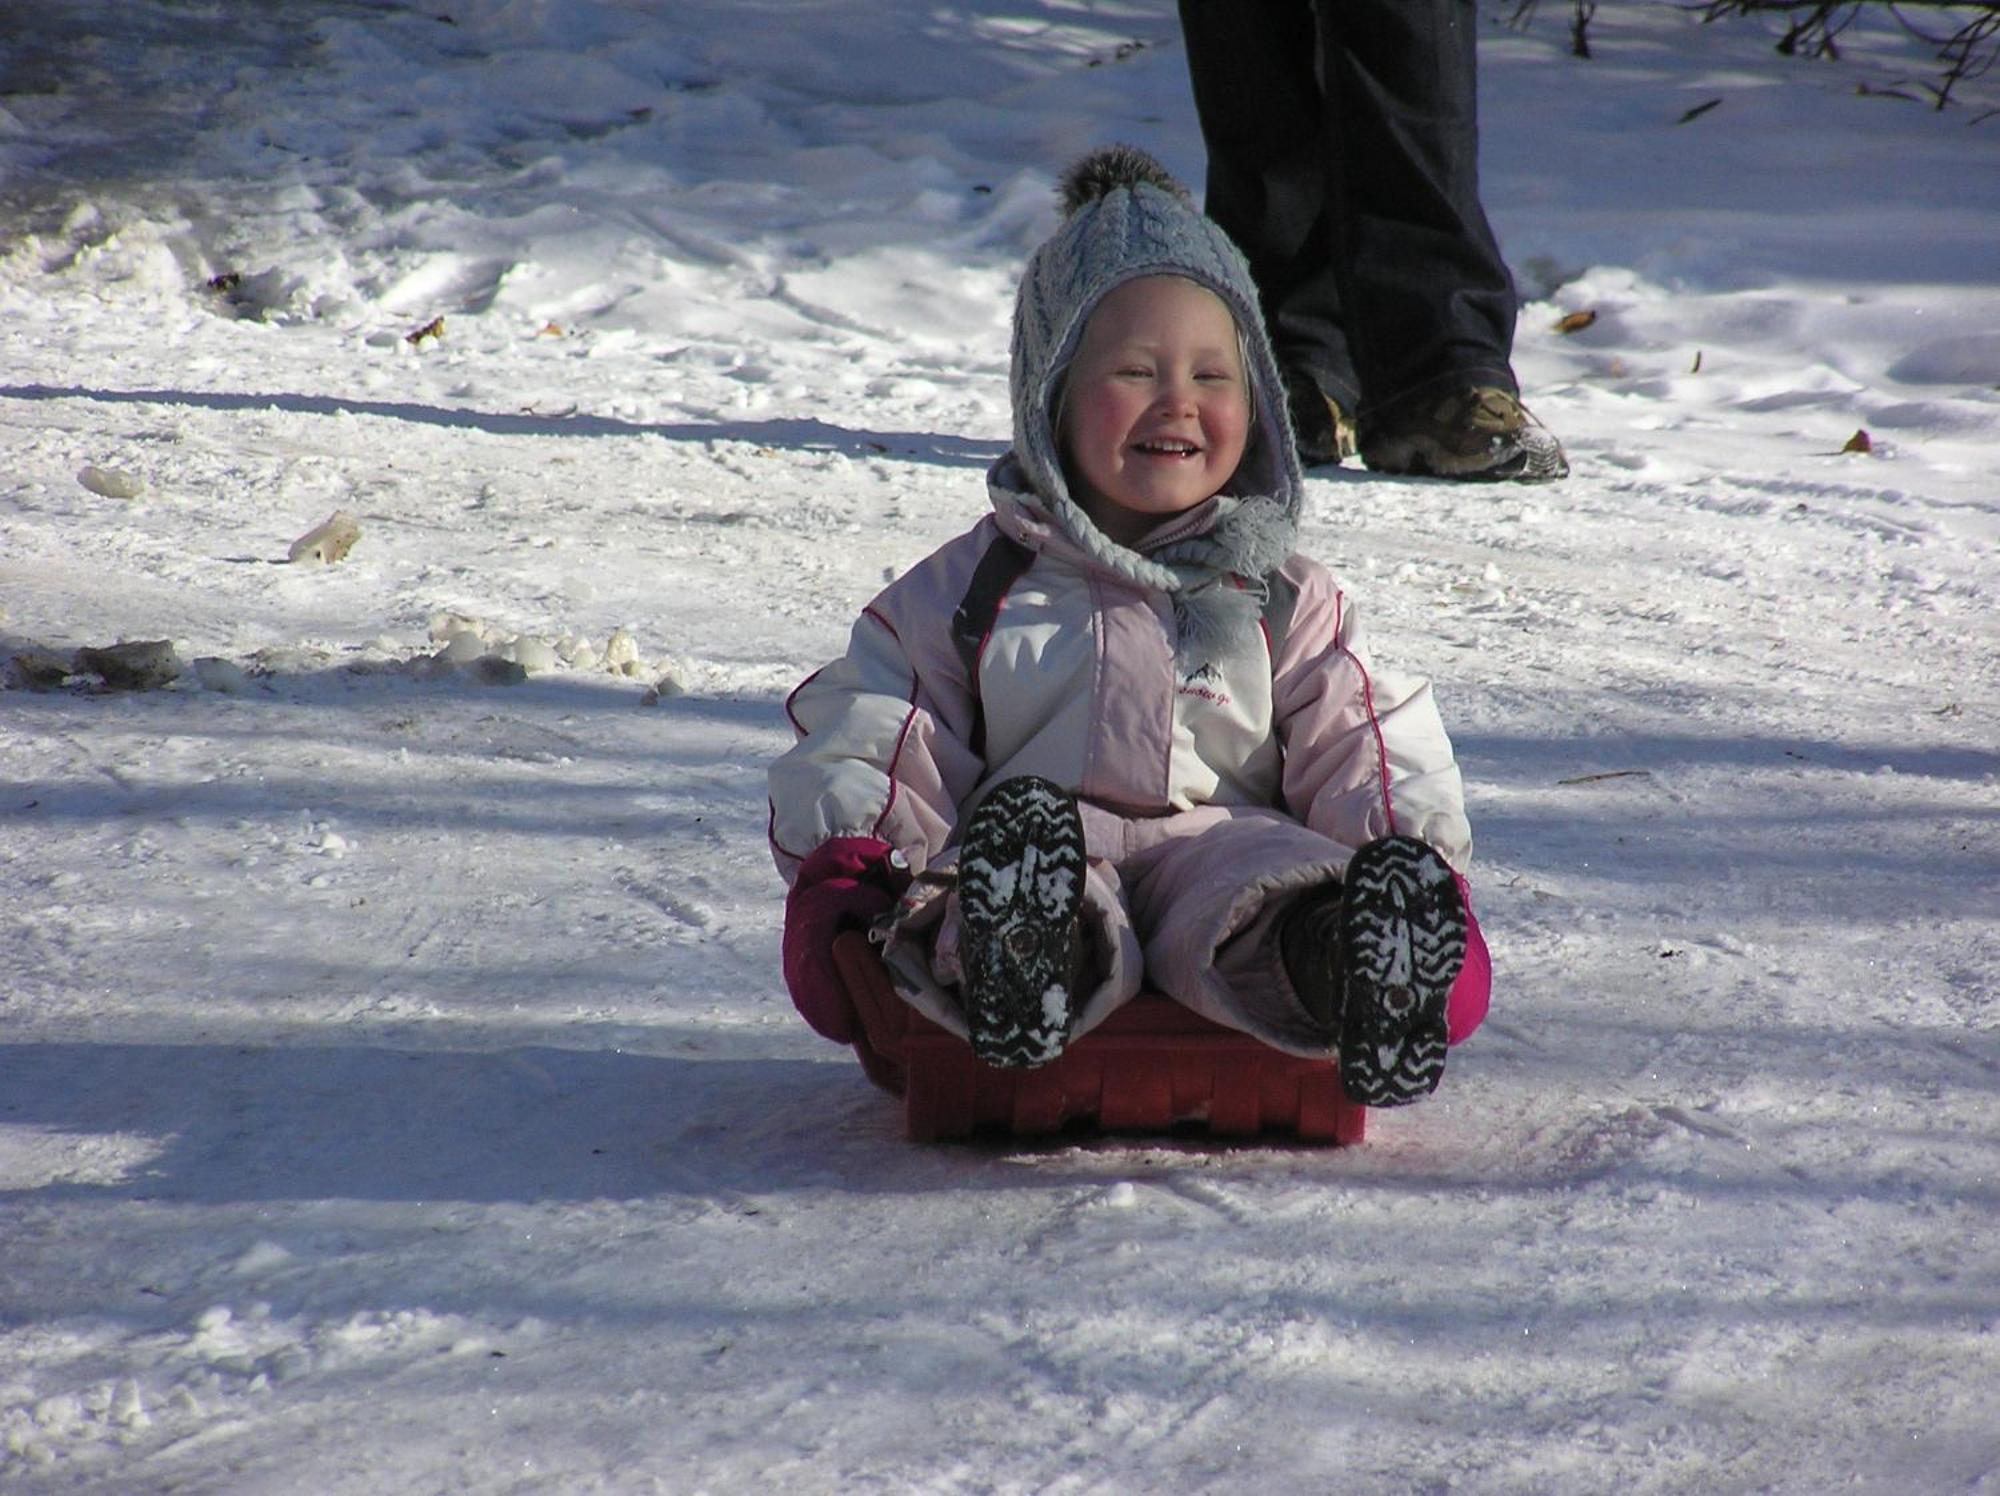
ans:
x=883 y=732
x=1366 y=753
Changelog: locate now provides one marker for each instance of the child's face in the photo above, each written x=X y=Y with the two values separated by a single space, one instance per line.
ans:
x=1156 y=410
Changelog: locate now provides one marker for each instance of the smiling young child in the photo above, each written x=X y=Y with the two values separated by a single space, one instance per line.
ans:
x=1119 y=734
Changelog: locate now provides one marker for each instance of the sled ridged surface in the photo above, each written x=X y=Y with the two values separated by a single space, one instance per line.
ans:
x=1150 y=1066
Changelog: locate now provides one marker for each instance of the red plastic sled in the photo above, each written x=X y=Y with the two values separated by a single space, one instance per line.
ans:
x=1150 y=1066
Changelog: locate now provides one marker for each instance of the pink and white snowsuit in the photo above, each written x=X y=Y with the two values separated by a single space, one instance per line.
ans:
x=1212 y=790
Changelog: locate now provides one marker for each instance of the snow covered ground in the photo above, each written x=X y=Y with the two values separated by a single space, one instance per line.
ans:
x=397 y=1092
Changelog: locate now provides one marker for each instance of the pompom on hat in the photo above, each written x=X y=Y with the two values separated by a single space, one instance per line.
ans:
x=1125 y=216
x=1104 y=171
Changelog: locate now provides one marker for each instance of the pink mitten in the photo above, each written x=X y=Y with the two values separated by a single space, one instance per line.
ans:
x=847 y=883
x=1465 y=1007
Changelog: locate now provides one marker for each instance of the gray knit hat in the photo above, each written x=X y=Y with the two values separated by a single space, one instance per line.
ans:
x=1126 y=217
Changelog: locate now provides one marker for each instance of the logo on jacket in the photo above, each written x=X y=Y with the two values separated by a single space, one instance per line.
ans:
x=1204 y=683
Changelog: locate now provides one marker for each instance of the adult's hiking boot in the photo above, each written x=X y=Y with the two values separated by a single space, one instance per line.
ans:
x=1020 y=901
x=1323 y=431
x=1481 y=434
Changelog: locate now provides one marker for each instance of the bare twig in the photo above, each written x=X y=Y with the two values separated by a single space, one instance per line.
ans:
x=1581 y=14
x=1813 y=29
x=1579 y=27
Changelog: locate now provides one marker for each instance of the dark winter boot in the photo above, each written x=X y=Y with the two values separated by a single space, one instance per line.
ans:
x=1020 y=900
x=1309 y=945
x=1402 y=942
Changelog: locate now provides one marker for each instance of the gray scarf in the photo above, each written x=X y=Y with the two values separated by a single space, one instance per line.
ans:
x=1216 y=579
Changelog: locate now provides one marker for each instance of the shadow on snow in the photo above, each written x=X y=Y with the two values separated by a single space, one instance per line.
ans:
x=793 y=434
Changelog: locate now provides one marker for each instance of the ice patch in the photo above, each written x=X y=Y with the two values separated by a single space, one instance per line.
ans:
x=264 y=1257
x=467 y=642
x=111 y=483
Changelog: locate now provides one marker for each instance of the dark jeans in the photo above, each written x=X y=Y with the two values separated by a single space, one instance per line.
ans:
x=1343 y=158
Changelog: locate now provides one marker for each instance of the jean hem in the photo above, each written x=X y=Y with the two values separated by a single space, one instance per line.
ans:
x=1470 y=376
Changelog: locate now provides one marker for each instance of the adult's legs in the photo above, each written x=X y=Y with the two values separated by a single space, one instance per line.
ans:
x=1253 y=66
x=1430 y=305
